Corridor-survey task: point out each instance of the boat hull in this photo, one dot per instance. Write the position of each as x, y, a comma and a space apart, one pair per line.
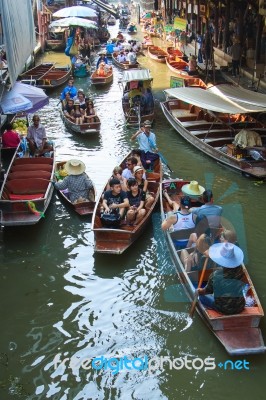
157, 54
81, 208
101, 80
125, 65
27, 191
256, 171
238, 333
117, 241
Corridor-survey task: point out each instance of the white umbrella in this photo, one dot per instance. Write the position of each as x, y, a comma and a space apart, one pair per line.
75, 11
74, 21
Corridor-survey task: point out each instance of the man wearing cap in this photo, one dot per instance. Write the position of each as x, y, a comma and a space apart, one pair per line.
147, 144
180, 219
209, 210
224, 290
77, 183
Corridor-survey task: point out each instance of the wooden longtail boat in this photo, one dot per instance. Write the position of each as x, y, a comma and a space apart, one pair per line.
123, 65
46, 76
178, 66
102, 80
134, 113
157, 54
172, 51
56, 44
210, 122
86, 128
116, 241
26, 191
239, 333
82, 208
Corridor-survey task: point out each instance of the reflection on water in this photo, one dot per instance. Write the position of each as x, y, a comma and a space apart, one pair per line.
62, 303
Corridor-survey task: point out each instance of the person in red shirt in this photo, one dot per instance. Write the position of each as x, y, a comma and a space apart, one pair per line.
10, 138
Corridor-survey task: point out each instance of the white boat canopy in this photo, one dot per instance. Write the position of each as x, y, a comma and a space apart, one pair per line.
239, 94
136, 75
213, 102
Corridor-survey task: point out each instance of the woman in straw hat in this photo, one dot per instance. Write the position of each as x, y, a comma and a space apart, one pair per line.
224, 290
78, 184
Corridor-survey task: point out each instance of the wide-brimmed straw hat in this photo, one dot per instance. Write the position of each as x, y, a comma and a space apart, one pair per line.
74, 167
226, 255
193, 189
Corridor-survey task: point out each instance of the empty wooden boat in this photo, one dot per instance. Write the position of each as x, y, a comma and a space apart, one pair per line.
157, 54
81, 208
27, 190
174, 52
46, 76
117, 240
238, 333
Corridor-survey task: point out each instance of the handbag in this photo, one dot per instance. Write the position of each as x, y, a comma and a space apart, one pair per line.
110, 220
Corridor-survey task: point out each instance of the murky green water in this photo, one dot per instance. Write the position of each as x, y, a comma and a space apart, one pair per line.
60, 301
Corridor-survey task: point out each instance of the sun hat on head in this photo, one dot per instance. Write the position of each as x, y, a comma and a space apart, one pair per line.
226, 255
147, 123
74, 167
81, 90
193, 189
76, 103
137, 168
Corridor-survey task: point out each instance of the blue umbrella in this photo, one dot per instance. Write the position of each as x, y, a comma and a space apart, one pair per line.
23, 98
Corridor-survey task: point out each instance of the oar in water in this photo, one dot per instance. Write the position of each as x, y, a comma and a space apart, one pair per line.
164, 161
192, 309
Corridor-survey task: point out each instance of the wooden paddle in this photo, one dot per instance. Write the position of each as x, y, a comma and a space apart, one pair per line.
192, 309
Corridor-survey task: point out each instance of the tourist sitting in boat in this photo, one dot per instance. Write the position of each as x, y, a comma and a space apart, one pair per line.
68, 108
37, 139
136, 197
139, 174
69, 88
101, 71
228, 236
147, 143
194, 261
101, 59
131, 57
81, 98
77, 113
90, 112
115, 200
224, 289
65, 101
10, 138
128, 172
208, 209
192, 66
137, 154
78, 185
117, 174
121, 57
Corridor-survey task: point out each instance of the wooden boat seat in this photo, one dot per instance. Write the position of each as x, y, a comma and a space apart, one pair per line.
181, 113
29, 174
35, 160
26, 189
213, 314
224, 139
211, 132
191, 124
32, 167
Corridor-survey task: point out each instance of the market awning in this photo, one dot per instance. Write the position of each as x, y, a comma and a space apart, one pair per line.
105, 7
213, 102
239, 94
18, 34
136, 75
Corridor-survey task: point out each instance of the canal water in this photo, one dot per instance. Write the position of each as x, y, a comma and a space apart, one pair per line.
62, 306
